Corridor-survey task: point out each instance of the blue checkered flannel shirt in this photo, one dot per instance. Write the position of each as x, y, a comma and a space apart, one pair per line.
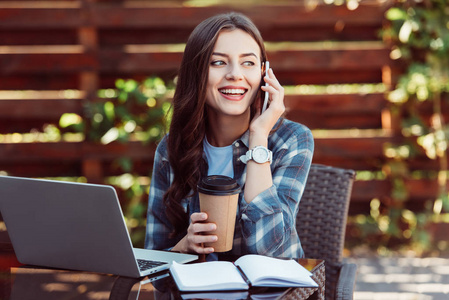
266, 225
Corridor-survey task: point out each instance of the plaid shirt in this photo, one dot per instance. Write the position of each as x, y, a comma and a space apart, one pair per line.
267, 224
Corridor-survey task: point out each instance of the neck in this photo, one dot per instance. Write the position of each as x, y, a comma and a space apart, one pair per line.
224, 130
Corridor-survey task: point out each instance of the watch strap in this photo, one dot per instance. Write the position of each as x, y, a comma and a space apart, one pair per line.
246, 157
249, 155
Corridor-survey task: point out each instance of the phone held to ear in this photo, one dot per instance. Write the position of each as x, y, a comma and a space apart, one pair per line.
265, 102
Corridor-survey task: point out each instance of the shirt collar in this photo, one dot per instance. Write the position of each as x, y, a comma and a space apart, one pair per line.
245, 138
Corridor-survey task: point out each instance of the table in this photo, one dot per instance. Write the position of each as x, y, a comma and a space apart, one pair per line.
25, 282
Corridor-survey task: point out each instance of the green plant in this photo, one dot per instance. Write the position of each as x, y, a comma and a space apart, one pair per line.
133, 111
136, 111
418, 34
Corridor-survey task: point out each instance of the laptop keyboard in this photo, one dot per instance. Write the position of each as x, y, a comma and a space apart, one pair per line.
148, 264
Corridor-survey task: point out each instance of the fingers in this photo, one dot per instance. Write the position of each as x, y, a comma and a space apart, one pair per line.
271, 79
276, 92
263, 124
198, 217
198, 234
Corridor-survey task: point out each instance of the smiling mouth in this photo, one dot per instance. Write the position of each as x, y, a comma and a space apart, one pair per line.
232, 92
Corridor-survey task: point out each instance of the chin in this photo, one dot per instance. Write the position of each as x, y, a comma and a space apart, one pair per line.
238, 113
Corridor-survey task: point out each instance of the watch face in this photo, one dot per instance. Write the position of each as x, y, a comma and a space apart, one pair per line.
260, 155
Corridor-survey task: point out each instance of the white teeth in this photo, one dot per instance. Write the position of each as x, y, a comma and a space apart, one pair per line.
232, 91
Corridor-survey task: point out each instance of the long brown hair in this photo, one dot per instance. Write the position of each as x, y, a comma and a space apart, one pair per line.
189, 119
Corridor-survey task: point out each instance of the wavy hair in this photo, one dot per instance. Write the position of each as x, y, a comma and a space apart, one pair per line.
189, 119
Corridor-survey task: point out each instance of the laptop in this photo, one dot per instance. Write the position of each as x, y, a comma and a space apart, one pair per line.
75, 226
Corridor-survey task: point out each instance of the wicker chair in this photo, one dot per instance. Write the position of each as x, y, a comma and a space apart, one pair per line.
321, 224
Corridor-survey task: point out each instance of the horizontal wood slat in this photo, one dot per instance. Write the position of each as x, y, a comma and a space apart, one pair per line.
419, 191
41, 81
53, 36
310, 104
122, 36
61, 81
109, 15
136, 36
72, 151
350, 148
23, 109
330, 59
346, 103
315, 111
26, 115
329, 77
36, 63
341, 148
331, 121
24, 17
108, 60
336, 111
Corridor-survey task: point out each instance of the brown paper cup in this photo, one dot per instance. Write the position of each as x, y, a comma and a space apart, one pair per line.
219, 199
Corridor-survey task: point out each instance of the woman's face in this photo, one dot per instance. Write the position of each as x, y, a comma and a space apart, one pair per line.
234, 73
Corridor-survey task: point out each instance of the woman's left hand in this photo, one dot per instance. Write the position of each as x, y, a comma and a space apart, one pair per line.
263, 123
258, 176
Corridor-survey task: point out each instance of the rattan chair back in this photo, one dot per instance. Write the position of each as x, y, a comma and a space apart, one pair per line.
322, 216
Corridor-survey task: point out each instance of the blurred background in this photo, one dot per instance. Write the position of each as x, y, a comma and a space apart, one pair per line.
85, 90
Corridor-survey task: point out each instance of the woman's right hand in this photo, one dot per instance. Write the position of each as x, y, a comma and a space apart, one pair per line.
195, 238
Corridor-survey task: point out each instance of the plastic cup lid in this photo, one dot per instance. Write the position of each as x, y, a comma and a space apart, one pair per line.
219, 185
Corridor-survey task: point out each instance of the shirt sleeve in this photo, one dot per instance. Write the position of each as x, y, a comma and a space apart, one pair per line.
268, 222
158, 227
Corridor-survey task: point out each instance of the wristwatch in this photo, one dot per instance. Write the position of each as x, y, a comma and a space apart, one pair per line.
259, 154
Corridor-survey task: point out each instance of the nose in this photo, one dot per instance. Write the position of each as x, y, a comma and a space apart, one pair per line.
234, 73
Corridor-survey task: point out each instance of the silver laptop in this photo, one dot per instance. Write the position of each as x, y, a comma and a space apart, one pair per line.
74, 226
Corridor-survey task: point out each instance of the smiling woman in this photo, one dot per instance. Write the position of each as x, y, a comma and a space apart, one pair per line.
217, 128
232, 86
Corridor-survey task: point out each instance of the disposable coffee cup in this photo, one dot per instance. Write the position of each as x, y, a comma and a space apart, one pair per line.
219, 199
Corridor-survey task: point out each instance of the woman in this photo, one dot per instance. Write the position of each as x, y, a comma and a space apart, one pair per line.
216, 119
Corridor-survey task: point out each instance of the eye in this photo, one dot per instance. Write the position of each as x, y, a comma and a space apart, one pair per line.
217, 63
248, 63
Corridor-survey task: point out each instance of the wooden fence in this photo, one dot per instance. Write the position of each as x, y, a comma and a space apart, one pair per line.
51, 46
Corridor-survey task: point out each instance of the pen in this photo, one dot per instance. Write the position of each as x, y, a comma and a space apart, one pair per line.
248, 282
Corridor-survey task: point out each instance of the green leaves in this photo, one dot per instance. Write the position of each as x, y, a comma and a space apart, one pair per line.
133, 111
72, 122
418, 34
396, 14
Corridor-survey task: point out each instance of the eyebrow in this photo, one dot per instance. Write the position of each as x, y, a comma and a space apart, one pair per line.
241, 55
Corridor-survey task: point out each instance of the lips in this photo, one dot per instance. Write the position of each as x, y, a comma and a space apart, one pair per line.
232, 92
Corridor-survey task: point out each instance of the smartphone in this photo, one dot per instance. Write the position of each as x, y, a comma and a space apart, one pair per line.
265, 101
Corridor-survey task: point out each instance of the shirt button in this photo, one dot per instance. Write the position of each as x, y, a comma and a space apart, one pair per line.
237, 144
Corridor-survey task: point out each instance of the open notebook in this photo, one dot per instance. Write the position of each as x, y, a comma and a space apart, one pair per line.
247, 271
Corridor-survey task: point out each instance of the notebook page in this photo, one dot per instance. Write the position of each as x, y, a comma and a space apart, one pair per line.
268, 271
216, 275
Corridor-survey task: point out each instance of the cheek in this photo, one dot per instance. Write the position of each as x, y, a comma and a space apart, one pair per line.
254, 78
254, 93
255, 82
211, 87
214, 77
